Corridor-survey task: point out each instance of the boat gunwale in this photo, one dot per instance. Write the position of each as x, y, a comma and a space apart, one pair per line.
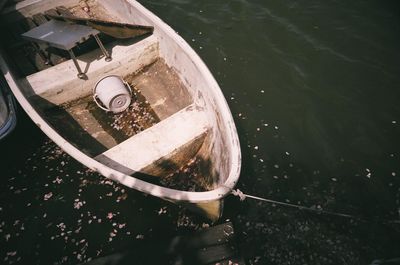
220, 192
11, 120
212, 85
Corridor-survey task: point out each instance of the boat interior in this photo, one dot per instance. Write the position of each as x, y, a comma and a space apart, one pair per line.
163, 136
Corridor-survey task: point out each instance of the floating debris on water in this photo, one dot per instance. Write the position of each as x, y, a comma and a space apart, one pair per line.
140, 237
48, 196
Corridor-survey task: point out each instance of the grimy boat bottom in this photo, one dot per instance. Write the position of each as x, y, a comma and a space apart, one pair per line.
83, 123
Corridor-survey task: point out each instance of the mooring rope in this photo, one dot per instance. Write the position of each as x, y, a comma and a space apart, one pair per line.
242, 196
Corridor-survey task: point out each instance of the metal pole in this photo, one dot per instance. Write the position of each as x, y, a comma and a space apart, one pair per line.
81, 75
105, 52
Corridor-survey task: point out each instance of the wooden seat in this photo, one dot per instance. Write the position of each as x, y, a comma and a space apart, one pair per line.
59, 84
65, 36
180, 132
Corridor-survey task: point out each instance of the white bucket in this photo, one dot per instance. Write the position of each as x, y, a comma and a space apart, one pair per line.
113, 92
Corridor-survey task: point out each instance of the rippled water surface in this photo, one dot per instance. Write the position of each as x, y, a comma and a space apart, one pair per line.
314, 87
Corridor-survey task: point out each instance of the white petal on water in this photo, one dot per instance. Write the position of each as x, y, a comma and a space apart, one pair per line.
110, 215
48, 195
78, 205
62, 226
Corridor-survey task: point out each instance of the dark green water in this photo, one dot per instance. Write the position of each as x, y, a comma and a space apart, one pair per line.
314, 87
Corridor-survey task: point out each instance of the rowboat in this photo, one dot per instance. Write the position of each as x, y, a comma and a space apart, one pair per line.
8, 118
175, 138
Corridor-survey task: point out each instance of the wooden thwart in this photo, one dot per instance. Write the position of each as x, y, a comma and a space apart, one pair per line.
158, 141
59, 84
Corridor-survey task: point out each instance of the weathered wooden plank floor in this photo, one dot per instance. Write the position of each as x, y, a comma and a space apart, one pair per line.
214, 245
